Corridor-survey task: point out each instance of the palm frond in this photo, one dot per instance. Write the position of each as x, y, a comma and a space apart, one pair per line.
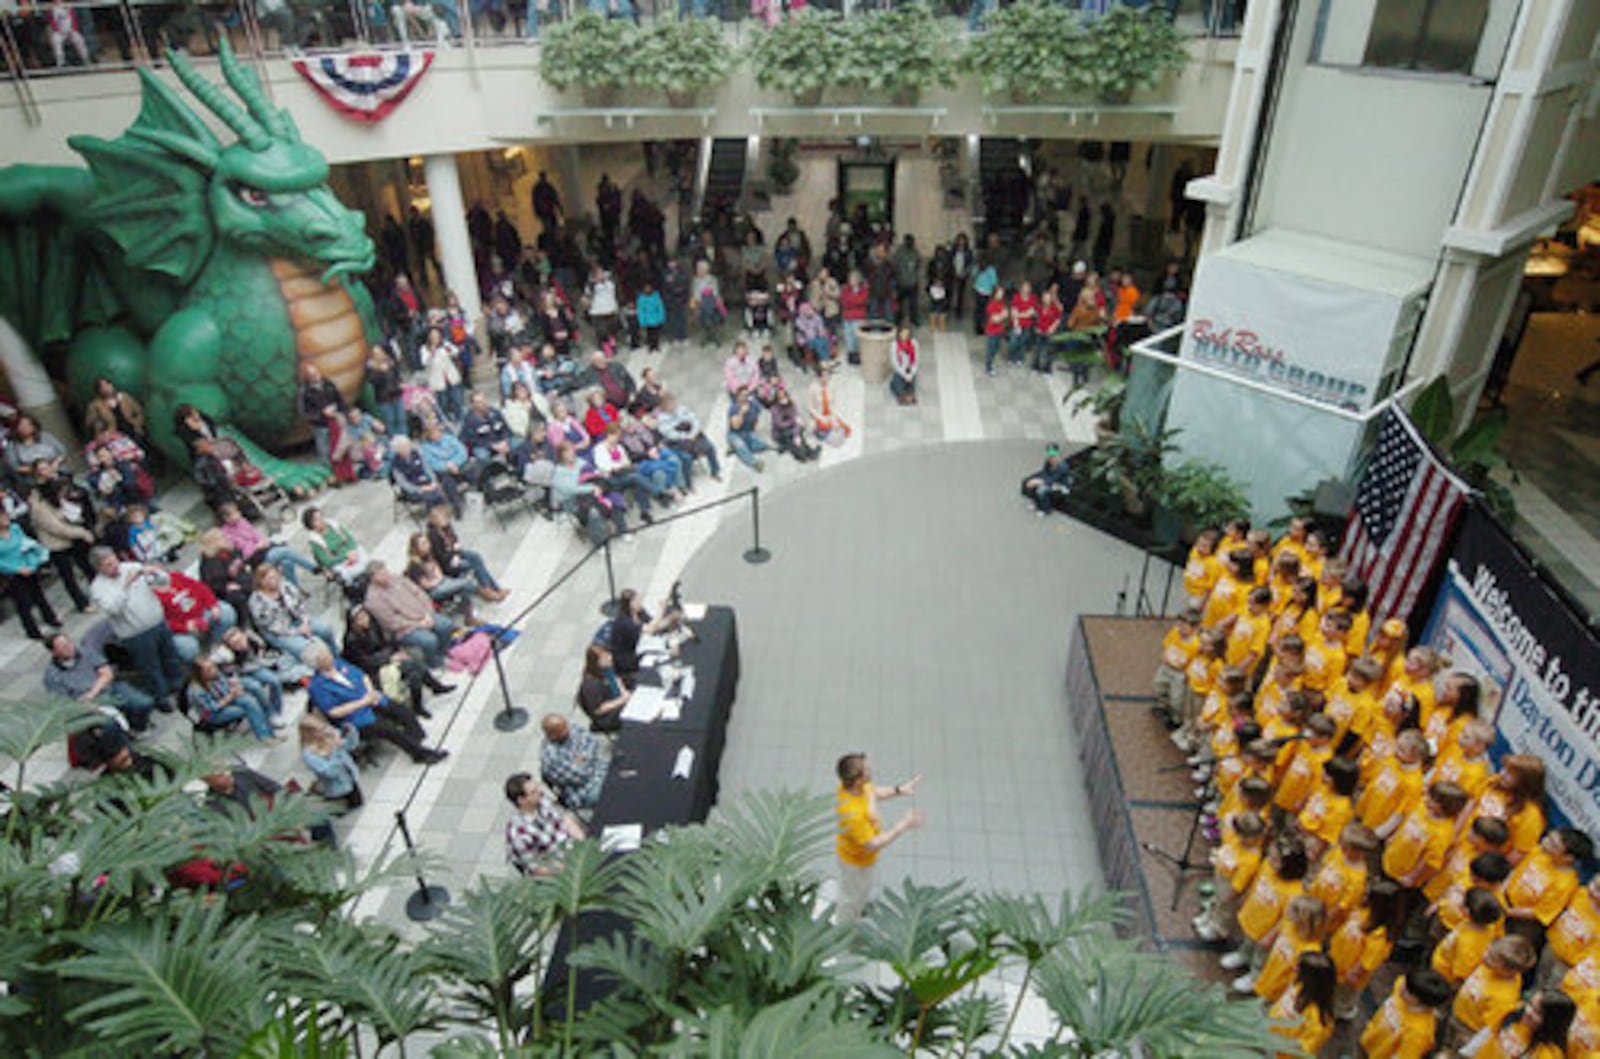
811, 1024
587, 876
185, 984
28, 727
1115, 998
908, 923
791, 946
489, 942
362, 971
778, 834
677, 896
1025, 926
294, 1036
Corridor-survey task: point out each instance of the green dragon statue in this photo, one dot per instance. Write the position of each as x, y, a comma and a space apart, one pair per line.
188, 271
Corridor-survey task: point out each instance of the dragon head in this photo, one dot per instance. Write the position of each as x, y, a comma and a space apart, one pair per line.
171, 189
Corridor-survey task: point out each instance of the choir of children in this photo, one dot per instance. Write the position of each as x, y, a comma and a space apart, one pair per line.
1350, 792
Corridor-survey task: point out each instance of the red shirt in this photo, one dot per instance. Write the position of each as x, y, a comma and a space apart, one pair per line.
1049, 317
853, 302
996, 317
595, 420
185, 602
1025, 311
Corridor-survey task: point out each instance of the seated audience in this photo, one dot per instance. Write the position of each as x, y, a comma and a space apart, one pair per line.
416, 481
423, 569
255, 547
457, 561
391, 665
217, 700
83, 675
680, 428
1050, 483
489, 436
334, 548
571, 763
326, 751
343, 695
406, 613
279, 611
63, 518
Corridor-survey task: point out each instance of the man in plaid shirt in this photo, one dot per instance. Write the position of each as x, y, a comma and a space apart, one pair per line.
571, 763
540, 829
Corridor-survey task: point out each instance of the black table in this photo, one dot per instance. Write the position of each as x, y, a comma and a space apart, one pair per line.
640, 788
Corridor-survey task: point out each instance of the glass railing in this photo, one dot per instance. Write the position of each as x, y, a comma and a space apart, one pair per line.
46, 40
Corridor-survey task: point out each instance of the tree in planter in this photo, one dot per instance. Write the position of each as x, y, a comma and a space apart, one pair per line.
1128, 465
1129, 49
1029, 50
1197, 493
900, 51
589, 53
682, 57
801, 56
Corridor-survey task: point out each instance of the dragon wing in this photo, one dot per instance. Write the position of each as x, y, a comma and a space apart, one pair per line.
151, 185
52, 282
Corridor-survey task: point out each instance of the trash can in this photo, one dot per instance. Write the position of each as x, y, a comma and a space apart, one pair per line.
875, 339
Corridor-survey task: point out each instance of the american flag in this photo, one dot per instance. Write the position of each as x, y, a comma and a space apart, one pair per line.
1406, 506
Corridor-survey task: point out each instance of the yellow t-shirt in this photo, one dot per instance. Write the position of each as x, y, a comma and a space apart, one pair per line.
1325, 814
1421, 841
1486, 997
1576, 931
1227, 597
1452, 766
1351, 711
1339, 884
1237, 864
1201, 674
1461, 951
1582, 982
1247, 639
858, 825
1398, 1030
1512, 1043
1583, 1039
1310, 1029
1178, 650
1453, 902
1325, 664
1357, 952
1277, 973
1265, 904
1394, 788
1360, 625
1297, 779
1200, 573
1540, 884
1526, 823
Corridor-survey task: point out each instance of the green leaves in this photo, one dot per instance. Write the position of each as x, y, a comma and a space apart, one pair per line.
587, 51
682, 55
1037, 49
187, 984
803, 54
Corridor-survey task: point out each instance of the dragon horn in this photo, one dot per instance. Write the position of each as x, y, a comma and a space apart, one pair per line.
247, 86
248, 129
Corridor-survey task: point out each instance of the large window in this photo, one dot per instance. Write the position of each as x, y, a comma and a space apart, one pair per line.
1429, 36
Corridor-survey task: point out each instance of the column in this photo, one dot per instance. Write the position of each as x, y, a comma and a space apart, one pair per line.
450, 231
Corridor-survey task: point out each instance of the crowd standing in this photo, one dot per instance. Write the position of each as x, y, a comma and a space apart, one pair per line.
1364, 839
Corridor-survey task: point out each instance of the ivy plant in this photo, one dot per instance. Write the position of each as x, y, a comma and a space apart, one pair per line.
588, 51
1130, 49
903, 50
1031, 50
803, 55
682, 56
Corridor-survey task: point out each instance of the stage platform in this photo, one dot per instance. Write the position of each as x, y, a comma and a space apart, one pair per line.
1140, 793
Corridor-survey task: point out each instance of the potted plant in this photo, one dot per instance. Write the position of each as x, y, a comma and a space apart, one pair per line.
900, 51
682, 57
1029, 51
801, 56
591, 54
1128, 49
1194, 495
1105, 402
1128, 464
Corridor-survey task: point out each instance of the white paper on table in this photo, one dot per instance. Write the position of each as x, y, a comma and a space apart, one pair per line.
694, 611
621, 838
686, 690
645, 704
670, 710
653, 644
684, 765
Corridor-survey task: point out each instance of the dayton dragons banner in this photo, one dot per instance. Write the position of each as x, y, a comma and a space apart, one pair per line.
1540, 665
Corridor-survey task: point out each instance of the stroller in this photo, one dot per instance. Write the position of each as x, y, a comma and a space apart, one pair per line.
758, 313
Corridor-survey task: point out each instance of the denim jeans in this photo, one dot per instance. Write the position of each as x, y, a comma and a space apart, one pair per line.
1021, 346
475, 564
265, 690
430, 643
156, 659
245, 708
392, 414
980, 9
286, 559
451, 589
991, 349
745, 445
131, 702
294, 644
662, 474
851, 343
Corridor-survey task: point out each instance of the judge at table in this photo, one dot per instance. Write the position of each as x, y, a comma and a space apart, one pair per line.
602, 695
571, 763
541, 830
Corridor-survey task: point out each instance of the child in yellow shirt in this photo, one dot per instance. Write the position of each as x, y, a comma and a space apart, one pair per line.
1299, 772
1486, 871
1419, 846
1462, 950
1351, 703
1491, 992
1576, 931
1300, 932
1202, 675
1465, 762
1304, 1013
1543, 882
1388, 648
1326, 657
1407, 1024
1201, 569
1278, 882
1329, 809
1227, 597
1259, 541
1283, 677
1363, 943
1340, 880
1353, 598
1516, 795
1396, 785
1293, 541
1315, 557
1583, 1039
1247, 640
1484, 834
1178, 648
1283, 572
1235, 863
1297, 617
1416, 680
1215, 712
1539, 1029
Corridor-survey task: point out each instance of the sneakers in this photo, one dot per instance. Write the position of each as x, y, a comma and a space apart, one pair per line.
1200, 775
1245, 983
1235, 961
1207, 932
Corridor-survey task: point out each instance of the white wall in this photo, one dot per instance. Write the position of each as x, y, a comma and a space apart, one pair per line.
1372, 159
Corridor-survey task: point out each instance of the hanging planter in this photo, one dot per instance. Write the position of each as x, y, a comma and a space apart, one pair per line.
682, 59
1029, 51
591, 55
898, 53
801, 56
1129, 49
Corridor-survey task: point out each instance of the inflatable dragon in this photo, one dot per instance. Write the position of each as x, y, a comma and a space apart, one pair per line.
189, 271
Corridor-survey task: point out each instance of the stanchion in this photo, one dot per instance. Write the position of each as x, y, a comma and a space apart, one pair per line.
609, 607
429, 902
510, 718
756, 554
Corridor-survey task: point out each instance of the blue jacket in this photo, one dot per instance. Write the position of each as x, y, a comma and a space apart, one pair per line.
440, 454
337, 774
327, 693
18, 551
651, 309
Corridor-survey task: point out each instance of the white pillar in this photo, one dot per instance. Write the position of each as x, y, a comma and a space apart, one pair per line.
450, 231
35, 393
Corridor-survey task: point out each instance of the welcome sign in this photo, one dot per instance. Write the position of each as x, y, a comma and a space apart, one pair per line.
1538, 663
